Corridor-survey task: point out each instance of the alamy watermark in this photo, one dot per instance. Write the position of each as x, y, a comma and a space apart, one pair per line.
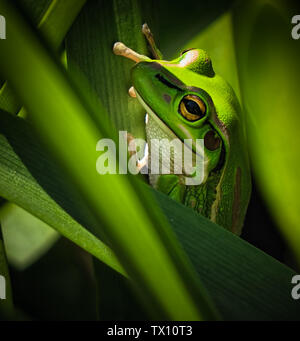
296, 289
2, 27
2, 288
296, 29
185, 158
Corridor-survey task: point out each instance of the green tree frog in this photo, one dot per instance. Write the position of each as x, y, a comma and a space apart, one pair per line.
185, 98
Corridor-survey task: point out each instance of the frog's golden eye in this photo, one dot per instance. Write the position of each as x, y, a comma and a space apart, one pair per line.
192, 108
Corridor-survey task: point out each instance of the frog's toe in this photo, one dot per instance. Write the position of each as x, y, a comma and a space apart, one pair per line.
131, 92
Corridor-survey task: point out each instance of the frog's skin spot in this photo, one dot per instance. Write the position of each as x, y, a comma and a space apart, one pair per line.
236, 201
167, 98
211, 141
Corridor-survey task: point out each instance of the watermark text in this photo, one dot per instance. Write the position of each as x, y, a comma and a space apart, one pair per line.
2, 288
296, 28
155, 157
296, 289
2, 27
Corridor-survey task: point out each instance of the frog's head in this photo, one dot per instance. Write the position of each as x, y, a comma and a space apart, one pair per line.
187, 97
175, 92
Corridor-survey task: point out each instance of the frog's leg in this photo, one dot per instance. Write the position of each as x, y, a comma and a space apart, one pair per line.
149, 36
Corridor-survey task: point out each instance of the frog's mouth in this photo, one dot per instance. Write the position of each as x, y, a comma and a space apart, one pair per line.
160, 130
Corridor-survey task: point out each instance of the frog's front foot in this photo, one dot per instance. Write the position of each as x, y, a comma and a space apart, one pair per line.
141, 164
131, 92
121, 49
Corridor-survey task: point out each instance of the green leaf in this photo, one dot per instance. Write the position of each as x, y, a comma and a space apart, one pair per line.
175, 26
58, 19
26, 237
60, 286
268, 61
53, 25
117, 301
18, 185
244, 281
36, 10
6, 304
179, 294
8, 100
265, 285
246, 284
221, 51
89, 50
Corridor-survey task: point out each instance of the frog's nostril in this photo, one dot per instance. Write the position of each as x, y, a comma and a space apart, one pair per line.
211, 141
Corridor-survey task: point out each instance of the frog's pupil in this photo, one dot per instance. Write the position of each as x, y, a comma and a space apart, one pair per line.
192, 107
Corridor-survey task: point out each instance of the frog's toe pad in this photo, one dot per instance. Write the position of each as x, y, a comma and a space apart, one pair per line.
131, 92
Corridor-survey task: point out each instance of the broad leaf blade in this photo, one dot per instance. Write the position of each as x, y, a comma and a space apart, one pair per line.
244, 281
19, 186
26, 237
53, 25
179, 295
177, 25
89, 50
6, 300
268, 61
58, 19
221, 51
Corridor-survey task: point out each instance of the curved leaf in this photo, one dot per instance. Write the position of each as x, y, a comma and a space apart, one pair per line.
268, 60
53, 25
246, 283
179, 294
